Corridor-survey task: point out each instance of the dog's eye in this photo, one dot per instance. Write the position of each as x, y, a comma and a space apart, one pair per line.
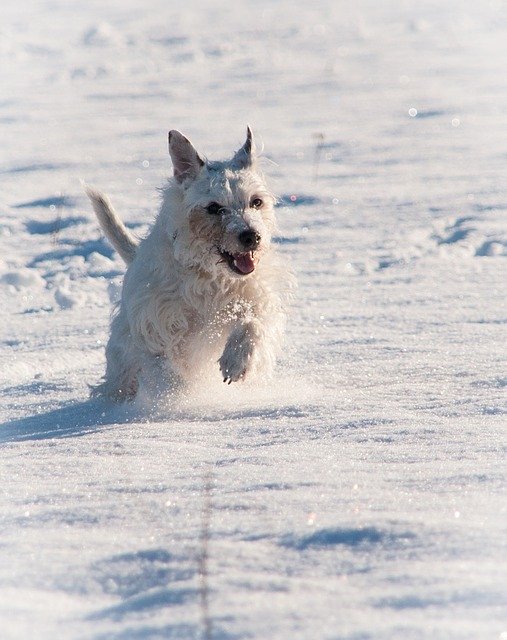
214, 208
256, 203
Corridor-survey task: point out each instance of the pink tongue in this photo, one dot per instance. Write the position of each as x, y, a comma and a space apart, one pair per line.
244, 262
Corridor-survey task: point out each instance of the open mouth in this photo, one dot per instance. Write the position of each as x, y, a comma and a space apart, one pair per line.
242, 263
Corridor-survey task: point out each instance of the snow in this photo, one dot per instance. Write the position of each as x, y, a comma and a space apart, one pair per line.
361, 494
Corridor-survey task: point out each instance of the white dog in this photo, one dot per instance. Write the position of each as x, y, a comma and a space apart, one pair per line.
204, 285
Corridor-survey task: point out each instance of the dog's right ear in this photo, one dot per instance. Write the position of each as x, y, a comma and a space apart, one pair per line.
186, 161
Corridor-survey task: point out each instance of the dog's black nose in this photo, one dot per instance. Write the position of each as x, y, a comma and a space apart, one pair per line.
249, 239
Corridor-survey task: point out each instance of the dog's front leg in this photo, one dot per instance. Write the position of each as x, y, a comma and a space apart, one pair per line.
236, 359
251, 348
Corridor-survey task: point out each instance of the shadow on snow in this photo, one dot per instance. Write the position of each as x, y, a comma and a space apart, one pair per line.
69, 421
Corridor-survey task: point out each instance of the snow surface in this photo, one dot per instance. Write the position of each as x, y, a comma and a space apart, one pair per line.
361, 495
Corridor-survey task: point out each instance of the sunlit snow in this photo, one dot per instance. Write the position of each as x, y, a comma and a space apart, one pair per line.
361, 493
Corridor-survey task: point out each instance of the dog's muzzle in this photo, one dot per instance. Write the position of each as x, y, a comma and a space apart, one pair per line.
240, 263
243, 262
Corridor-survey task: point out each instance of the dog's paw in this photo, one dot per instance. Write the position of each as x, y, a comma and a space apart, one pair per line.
233, 368
236, 358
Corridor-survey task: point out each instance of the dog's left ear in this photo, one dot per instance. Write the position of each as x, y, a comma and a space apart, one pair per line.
245, 157
186, 161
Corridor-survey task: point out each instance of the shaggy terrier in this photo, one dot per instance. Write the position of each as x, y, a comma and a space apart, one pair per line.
204, 286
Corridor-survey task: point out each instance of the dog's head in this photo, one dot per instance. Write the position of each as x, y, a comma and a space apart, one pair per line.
221, 216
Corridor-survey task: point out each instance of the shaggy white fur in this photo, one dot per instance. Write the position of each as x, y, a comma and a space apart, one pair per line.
204, 285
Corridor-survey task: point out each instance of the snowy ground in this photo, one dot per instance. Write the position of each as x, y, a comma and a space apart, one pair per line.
360, 496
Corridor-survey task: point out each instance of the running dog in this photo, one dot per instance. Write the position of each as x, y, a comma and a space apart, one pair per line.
205, 286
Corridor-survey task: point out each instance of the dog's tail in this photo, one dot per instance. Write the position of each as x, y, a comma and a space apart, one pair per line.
117, 233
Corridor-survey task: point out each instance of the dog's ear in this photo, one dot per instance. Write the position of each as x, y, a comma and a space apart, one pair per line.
245, 157
186, 161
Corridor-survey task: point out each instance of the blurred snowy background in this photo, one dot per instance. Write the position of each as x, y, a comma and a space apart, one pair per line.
362, 494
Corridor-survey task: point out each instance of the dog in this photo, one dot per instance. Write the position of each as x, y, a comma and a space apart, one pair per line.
205, 286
